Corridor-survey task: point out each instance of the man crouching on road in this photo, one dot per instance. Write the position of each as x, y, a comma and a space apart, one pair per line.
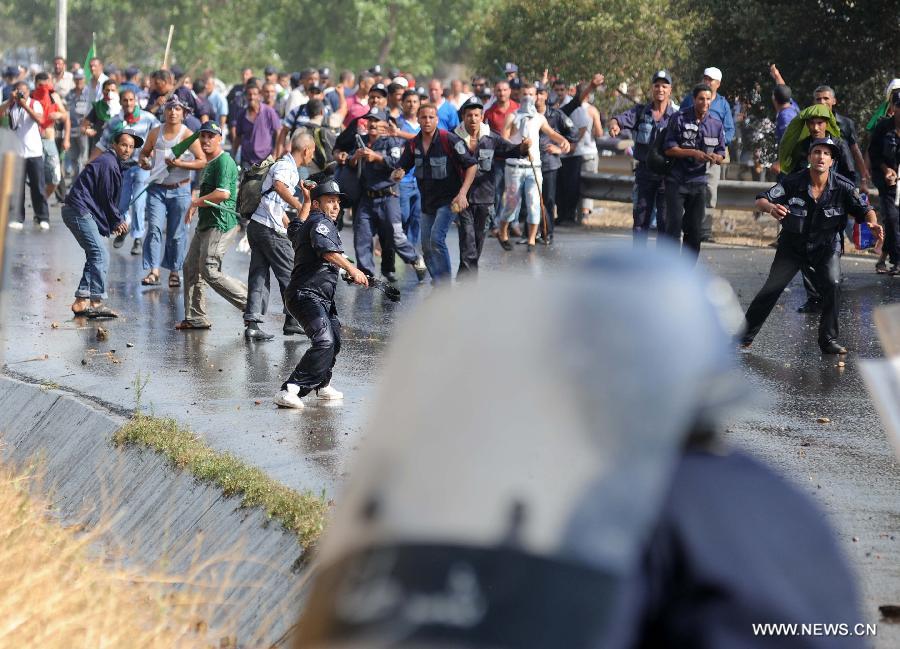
318, 254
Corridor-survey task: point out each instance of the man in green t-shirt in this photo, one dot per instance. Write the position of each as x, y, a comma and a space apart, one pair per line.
216, 229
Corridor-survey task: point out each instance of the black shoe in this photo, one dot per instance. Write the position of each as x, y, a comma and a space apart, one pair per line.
810, 306
505, 244
137, 247
831, 347
391, 277
291, 327
119, 241
530, 247
894, 270
253, 332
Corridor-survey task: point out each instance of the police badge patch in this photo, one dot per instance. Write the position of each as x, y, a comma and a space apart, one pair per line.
322, 229
460, 147
395, 152
777, 191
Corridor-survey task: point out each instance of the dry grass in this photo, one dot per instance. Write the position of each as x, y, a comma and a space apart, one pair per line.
302, 513
54, 594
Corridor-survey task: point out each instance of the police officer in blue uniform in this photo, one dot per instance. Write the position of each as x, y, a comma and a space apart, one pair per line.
379, 203
485, 146
884, 155
694, 137
645, 121
813, 206
318, 254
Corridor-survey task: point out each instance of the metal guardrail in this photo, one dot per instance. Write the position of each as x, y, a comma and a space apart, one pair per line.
733, 194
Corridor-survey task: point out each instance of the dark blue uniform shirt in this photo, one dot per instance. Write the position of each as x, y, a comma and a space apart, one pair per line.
376, 176
312, 239
686, 131
884, 149
96, 191
489, 148
820, 222
438, 170
562, 124
639, 120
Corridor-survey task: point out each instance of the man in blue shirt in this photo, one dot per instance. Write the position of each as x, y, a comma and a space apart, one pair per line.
695, 138
410, 199
448, 119
721, 109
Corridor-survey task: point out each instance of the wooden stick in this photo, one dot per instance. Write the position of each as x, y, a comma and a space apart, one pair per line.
165, 65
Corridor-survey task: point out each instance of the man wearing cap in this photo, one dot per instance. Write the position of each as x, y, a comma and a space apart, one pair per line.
721, 109
91, 212
486, 147
884, 156
379, 205
78, 102
318, 256
132, 80
812, 207
216, 228
696, 139
511, 70
645, 121
135, 178
447, 117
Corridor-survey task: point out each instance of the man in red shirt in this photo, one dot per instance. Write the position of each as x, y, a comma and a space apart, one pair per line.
495, 117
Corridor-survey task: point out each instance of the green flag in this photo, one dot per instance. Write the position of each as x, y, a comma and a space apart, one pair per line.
184, 145
87, 61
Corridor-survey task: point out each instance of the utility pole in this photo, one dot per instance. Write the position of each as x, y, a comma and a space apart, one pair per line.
61, 30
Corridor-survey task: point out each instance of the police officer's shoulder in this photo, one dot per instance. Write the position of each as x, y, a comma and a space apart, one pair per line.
796, 180
843, 182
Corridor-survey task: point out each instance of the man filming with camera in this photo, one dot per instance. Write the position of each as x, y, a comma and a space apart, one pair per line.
25, 115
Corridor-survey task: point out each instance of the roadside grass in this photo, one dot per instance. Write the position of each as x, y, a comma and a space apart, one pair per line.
55, 593
301, 513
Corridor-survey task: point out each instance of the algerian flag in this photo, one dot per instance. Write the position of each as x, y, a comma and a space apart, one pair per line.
184, 145
87, 61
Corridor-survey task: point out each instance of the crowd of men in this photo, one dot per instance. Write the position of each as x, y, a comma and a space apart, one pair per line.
406, 162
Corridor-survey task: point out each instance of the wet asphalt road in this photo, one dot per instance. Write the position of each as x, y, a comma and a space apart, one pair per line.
212, 380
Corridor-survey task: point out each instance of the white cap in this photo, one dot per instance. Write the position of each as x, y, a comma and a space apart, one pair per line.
891, 87
713, 73
401, 81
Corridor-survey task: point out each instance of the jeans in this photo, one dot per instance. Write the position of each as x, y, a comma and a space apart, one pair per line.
434, 243
411, 211
96, 267
890, 219
166, 209
548, 189
133, 182
685, 206
713, 175
269, 250
521, 179
792, 253
202, 267
320, 323
34, 173
77, 155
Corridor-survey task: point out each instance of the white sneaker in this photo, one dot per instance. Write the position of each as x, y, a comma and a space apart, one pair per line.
328, 393
44, 225
289, 398
15, 225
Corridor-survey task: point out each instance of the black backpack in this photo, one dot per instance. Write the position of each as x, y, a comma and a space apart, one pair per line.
657, 161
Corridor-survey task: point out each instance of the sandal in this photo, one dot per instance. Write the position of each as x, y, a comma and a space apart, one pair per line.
101, 312
152, 279
881, 268
184, 324
174, 280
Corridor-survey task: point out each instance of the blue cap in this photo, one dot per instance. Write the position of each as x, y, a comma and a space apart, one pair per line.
378, 115
328, 188
379, 87
826, 141
664, 75
210, 126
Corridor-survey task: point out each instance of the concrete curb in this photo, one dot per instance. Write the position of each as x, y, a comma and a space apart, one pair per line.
153, 514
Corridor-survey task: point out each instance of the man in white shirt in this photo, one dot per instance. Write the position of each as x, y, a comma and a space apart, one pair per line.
270, 249
25, 115
97, 78
523, 175
62, 78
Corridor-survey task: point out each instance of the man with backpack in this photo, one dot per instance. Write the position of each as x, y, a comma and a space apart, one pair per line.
646, 122
309, 118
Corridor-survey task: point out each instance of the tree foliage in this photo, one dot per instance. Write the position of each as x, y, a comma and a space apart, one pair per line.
850, 45
627, 40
